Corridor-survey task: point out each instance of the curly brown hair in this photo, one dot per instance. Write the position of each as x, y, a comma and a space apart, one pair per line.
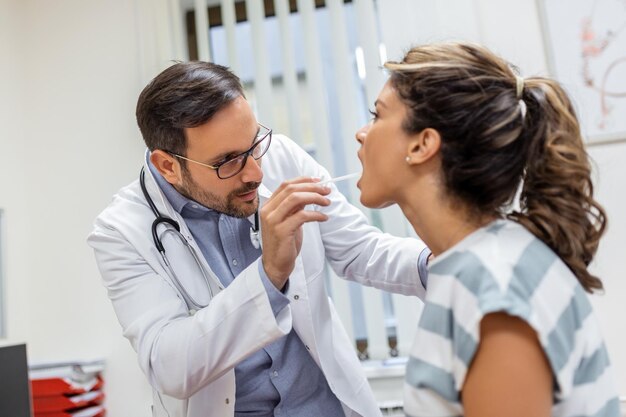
495, 138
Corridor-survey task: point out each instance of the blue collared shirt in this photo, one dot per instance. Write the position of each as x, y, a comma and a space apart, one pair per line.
282, 379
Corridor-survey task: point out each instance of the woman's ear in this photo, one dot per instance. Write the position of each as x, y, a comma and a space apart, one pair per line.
423, 146
167, 165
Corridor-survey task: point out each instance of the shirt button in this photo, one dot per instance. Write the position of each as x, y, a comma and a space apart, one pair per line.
296, 297
275, 373
195, 206
235, 262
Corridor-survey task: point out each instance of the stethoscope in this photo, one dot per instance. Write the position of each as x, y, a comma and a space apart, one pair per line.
161, 219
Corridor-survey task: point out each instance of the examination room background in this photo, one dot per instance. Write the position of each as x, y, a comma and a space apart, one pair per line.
70, 74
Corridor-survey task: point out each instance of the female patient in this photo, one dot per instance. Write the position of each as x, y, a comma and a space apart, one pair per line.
507, 329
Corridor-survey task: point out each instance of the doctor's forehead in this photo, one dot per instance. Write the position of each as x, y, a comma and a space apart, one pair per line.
232, 129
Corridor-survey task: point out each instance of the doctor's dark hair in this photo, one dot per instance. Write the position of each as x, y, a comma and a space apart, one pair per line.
185, 95
499, 133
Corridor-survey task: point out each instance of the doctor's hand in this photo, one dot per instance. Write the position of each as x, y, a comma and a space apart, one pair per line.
282, 217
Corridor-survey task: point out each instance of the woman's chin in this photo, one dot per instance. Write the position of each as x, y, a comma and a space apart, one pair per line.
373, 203
364, 200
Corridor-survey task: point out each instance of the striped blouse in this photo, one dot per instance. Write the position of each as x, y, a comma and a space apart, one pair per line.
504, 268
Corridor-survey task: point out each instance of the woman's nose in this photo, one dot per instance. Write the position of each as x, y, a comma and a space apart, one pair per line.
361, 133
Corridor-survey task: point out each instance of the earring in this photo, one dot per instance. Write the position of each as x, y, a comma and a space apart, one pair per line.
408, 159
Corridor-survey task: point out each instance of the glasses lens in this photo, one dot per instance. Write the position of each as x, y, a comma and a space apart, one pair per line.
231, 167
262, 145
234, 166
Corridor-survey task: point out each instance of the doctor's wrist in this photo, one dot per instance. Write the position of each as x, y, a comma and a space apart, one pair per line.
279, 280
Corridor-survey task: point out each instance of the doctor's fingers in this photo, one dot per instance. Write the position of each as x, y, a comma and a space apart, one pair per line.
287, 205
297, 185
292, 223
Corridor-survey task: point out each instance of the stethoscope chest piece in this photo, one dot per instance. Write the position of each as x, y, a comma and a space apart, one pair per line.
255, 239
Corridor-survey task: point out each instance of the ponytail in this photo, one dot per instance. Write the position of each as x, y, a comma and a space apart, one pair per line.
556, 200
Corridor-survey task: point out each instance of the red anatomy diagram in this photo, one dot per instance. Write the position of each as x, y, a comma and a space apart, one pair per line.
603, 79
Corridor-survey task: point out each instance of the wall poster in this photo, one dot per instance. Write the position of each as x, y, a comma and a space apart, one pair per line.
586, 48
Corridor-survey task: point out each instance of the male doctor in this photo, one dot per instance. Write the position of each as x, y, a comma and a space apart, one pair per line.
224, 322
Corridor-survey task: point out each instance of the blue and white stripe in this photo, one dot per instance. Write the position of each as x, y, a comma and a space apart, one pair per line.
503, 267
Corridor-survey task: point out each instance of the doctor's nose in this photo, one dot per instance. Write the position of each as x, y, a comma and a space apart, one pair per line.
252, 171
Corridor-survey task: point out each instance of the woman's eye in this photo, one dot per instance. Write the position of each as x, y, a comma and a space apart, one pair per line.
373, 114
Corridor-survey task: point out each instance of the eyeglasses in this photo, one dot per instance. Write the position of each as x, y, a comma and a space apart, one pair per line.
234, 165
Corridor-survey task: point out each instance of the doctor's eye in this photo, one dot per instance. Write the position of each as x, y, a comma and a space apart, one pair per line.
373, 114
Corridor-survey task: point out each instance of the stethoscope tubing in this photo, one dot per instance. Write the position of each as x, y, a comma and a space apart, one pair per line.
161, 219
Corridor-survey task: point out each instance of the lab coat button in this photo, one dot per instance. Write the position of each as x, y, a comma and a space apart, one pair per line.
192, 312
296, 297
307, 347
227, 401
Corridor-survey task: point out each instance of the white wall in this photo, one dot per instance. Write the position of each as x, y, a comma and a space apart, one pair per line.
610, 264
70, 78
13, 173
70, 75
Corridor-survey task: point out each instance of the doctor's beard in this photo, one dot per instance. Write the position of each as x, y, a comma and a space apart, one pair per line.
230, 205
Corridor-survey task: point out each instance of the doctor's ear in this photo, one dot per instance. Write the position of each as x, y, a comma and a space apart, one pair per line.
167, 165
423, 146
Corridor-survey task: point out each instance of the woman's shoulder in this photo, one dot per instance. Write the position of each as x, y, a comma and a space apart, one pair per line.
500, 251
504, 267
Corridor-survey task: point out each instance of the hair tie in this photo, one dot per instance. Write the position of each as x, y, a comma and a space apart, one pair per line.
519, 81
522, 108
520, 86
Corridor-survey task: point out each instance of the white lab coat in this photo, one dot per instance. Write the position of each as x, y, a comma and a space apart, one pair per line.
189, 358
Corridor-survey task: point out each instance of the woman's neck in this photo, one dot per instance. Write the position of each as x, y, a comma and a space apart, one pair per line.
441, 224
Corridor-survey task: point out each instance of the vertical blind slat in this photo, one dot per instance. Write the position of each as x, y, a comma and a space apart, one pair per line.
347, 93
315, 83
179, 51
369, 41
262, 78
229, 21
375, 321
408, 311
165, 32
202, 30
290, 79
